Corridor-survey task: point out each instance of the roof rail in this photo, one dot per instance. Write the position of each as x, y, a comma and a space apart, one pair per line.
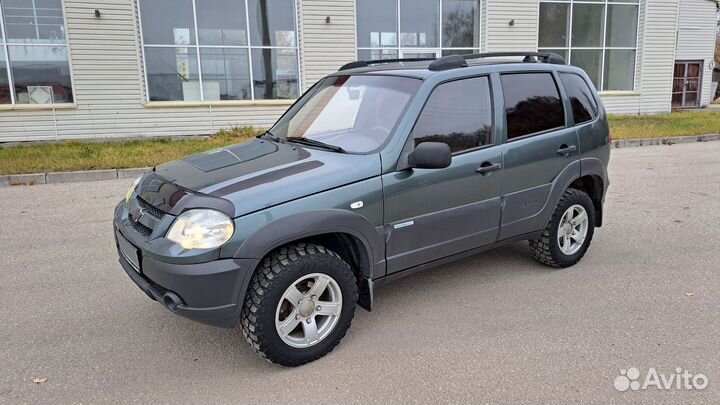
364, 63
456, 61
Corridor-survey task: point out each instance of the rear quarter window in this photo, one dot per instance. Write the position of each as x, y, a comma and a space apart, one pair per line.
532, 103
584, 107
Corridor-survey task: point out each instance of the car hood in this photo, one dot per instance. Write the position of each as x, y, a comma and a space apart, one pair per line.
261, 173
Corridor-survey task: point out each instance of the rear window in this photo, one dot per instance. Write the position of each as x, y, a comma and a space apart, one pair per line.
583, 103
532, 103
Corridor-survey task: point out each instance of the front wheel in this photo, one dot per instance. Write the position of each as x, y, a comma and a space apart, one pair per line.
299, 305
567, 235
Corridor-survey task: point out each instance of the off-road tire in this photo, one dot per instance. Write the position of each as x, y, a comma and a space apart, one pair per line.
274, 275
546, 250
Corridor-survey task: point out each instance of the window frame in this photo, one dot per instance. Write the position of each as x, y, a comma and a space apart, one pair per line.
493, 132
198, 47
438, 50
604, 48
5, 44
561, 94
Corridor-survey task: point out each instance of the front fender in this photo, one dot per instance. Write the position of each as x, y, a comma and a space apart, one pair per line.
312, 223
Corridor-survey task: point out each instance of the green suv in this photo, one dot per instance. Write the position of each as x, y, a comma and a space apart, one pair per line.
379, 170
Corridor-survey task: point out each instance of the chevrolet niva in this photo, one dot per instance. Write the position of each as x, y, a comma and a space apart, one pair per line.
379, 170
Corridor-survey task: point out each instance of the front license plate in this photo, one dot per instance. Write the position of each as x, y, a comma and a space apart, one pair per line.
129, 252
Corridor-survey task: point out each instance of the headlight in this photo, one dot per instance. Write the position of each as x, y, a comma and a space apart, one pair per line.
201, 229
132, 189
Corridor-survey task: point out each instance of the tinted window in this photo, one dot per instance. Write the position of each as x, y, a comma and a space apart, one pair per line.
581, 98
457, 113
532, 103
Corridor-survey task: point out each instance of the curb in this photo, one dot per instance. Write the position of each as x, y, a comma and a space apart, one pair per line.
665, 141
70, 177
112, 174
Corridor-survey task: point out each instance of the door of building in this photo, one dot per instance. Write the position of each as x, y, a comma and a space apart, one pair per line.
687, 81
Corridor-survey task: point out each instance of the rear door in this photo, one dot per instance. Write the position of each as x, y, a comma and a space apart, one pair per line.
540, 148
434, 213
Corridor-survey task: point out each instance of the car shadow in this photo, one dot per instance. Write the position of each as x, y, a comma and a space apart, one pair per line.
228, 349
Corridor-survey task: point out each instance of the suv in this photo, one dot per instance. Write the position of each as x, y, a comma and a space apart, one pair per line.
379, 170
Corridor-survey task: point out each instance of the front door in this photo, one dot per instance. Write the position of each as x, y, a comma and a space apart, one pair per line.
686, 84
434, 213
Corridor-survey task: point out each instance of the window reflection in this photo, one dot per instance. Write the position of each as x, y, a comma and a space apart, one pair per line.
5, 97
272, 23
172, 74
221, 22
226, 74
581, 98
275, 73
461, 23
457, 113
38, 72
228, 38
41, 74
431, 27
36, 22
602, 39
419, 23
532, 103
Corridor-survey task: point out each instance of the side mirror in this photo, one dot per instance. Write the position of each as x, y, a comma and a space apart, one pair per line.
430, 155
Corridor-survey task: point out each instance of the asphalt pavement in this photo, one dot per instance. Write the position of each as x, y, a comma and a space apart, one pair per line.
494, 328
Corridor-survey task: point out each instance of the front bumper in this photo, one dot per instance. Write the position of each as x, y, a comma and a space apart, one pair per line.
210, 292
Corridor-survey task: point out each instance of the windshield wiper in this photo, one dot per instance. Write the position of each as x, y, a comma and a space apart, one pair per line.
319, 144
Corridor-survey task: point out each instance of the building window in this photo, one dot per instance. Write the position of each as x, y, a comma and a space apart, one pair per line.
599, 36
417, 28
207, 50
34, 67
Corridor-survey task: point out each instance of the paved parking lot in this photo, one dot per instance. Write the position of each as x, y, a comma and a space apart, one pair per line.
495, 328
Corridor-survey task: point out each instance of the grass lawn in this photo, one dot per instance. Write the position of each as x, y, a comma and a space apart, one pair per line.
684, 123
77, 155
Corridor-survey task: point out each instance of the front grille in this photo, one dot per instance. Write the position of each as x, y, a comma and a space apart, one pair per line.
141, 229
150, 209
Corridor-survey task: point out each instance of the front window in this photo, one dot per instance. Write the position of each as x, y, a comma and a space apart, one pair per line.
356, 113
207, 50
417, 28
600, 36
34, 67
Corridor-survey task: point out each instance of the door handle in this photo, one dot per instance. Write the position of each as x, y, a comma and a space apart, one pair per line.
488, 167
565, 150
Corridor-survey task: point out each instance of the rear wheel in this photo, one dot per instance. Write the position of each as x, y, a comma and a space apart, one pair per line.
299, 305
569, 232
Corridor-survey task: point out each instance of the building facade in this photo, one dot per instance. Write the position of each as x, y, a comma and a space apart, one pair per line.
73, 69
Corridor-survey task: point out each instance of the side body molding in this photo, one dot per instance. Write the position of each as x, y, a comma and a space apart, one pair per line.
314, 223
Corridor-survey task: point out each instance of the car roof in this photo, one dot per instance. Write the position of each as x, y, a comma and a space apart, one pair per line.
422, 69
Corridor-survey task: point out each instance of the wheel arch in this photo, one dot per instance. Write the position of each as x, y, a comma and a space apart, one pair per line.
593, 186
348, 234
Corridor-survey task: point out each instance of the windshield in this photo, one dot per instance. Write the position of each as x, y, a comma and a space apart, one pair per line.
356, 113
